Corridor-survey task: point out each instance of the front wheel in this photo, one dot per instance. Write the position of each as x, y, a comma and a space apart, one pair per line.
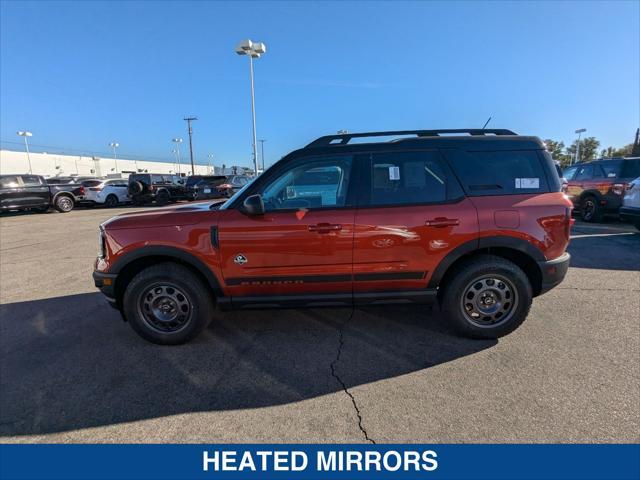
167, 304
486, 297
63, 204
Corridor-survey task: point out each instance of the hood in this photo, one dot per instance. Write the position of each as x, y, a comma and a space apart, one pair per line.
162, 217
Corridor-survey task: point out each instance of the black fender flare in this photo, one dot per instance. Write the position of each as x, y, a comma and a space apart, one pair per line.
171, 252
481, 243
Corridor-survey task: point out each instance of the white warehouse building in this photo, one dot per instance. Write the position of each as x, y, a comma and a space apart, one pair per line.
53, 164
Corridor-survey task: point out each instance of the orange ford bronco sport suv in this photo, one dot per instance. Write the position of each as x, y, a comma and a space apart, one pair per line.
472, 219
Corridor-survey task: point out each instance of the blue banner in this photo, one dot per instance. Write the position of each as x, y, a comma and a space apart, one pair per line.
297, 462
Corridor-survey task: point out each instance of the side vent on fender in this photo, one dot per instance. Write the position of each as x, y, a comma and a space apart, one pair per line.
214, 237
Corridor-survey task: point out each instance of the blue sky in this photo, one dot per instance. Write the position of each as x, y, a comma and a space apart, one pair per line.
79, 75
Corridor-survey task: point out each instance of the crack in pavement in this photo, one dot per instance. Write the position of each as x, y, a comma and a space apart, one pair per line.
335, 375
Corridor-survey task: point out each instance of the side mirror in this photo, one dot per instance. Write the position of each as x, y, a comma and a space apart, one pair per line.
253, 205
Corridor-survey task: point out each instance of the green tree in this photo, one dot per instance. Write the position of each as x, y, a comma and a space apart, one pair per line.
588, 148
635, 148
621, 152
558, 151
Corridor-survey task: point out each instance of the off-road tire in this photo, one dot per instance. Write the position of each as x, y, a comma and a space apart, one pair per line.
135, 188
452, 301
163, 197
197, 294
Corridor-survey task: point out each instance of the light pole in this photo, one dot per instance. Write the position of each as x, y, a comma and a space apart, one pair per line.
178, 141
209, 157
580, 131
252, 50
25, 135
262, 140
189, 120
115, 145
175, 157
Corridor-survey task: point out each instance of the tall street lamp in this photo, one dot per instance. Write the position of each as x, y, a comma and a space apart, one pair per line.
209, 157
178, 141
252, 50
580, 131
25, 135
262, 140
115, 145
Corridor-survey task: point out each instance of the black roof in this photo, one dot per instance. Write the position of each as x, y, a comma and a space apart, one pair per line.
468, 138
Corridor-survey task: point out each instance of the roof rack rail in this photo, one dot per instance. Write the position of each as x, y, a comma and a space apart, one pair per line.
343, 139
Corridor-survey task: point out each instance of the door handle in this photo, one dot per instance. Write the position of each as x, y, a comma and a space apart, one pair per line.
325, 227
442, 222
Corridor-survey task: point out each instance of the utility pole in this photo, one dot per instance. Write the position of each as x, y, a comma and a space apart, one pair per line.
262, 140
189, 120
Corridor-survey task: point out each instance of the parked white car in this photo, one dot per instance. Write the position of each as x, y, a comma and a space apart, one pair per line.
106, 192
630, 210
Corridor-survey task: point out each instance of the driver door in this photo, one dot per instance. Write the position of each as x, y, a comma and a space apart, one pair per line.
302, 246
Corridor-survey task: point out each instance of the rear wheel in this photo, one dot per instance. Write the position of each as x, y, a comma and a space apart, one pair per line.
111, 201
168, 304
63, 203
486, 297
591, 209
162, 197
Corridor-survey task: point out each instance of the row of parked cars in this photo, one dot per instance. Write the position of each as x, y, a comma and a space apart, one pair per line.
34, 192
604, 187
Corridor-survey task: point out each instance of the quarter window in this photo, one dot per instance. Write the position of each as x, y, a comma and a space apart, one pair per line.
310, 183
499, 172
406, 178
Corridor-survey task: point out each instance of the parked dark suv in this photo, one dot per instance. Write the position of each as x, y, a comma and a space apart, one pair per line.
473, 219
159, 187
202, 187
597, 188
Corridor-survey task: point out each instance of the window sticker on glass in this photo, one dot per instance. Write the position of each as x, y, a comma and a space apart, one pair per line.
394, 173
527, 183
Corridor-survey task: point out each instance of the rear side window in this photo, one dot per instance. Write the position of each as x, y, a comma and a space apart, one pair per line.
407, 178
585, 173
509, 172
31, 180
91, 183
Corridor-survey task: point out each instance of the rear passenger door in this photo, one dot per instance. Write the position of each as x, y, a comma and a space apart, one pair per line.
411, 214
35, 193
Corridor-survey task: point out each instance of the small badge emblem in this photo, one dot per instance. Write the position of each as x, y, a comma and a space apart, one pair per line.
240, 259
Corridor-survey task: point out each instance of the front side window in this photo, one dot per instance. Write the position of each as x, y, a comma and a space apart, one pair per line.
406, 178
310, 183
9, 182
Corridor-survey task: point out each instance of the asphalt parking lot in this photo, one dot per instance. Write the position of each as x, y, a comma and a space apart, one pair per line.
72, 371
